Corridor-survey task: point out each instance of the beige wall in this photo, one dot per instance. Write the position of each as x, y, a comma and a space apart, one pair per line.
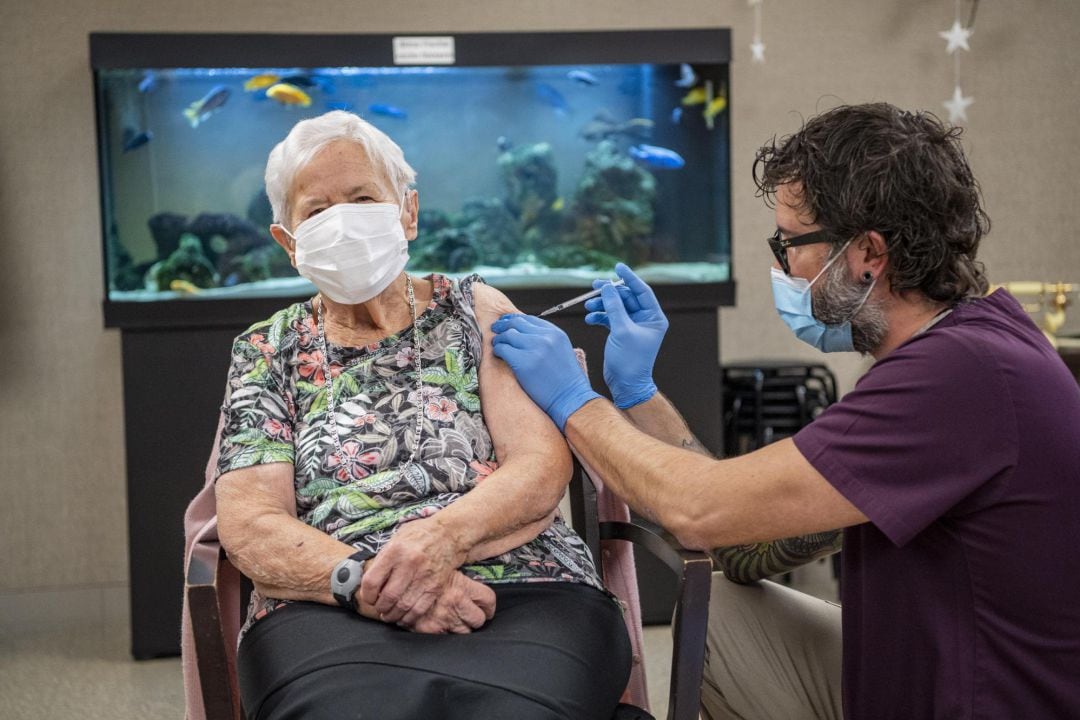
63, 521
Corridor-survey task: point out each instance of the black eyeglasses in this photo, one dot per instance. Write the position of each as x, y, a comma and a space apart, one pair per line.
779, 246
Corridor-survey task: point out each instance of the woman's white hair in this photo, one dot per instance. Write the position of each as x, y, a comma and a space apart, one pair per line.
310, 136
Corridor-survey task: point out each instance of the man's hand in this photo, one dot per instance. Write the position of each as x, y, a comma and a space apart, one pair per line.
464, 606
637, 324
544, 363
411, 572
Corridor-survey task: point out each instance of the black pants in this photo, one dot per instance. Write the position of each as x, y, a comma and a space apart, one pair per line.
553, 650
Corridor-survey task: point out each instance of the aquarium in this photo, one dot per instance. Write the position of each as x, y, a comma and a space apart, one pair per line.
542, 158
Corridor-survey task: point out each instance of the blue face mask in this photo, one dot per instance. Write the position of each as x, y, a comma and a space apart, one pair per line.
793, 302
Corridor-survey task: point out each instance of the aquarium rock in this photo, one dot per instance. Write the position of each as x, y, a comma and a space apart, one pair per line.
188, 263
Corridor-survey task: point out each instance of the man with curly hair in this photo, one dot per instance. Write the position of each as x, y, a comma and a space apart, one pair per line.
950, 474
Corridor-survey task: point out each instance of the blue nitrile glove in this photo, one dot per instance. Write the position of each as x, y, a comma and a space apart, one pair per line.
544, 362
637, 326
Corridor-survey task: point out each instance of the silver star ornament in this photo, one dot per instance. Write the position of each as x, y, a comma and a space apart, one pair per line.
757, 50
957, 106
957, 36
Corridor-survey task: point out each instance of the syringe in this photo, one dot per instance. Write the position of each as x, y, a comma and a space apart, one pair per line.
579, 299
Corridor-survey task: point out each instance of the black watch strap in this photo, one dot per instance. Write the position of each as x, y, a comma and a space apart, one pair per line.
346, 577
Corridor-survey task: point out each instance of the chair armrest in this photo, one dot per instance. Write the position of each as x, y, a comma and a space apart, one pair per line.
213, 594
694, 571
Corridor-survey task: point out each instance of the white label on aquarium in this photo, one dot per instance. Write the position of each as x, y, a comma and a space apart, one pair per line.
430, 50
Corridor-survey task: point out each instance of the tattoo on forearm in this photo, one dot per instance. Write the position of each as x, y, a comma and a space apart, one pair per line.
690, 442
748, 563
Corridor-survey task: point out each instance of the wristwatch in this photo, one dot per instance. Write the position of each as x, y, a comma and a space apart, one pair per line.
346, 578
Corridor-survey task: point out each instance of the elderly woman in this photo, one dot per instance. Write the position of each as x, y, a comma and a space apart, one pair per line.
387, 485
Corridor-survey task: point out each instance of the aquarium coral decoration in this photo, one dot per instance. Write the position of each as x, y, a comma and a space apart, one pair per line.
188, 264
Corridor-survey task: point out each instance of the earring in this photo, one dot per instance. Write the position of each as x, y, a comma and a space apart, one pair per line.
868, 277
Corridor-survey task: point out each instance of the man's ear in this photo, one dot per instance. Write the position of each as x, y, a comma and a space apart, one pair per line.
282, 238
411, 214
871, 255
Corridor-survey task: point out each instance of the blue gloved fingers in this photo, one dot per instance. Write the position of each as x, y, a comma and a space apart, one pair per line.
598, 318
514, 338
613, 306
644, 294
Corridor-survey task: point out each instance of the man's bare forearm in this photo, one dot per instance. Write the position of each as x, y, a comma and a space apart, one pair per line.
658, 418
749, 563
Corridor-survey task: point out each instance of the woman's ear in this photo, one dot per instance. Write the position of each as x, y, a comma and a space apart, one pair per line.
411, 214
285, 241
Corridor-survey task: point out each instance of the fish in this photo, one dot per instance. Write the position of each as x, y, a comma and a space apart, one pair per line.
185, 287
552, 97
149, 82
676, 115
657, 157
200, 110
504, 143
288, 95
583, 76
311, 81
133, 139
558, 204
714, 108
388, 110
687, 77
697, 96
231, 279
347, 107
258, 82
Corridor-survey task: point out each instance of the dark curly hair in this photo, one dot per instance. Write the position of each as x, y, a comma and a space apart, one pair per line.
903, 174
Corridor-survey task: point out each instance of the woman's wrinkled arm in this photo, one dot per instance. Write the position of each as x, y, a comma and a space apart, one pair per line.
257, 524
749, 563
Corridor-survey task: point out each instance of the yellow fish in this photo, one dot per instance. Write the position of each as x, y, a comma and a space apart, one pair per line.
717, 106
289, 95
558, 204
260, 81
696, 96
185, 287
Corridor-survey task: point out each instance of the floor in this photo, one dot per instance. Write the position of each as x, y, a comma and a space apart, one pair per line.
64, 653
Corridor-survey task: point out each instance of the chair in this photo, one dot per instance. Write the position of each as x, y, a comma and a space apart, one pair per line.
212, 598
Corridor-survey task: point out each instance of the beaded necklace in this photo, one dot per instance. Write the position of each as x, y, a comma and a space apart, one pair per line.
331, 403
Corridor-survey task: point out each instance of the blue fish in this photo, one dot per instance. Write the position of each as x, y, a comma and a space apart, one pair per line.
149, 82
134, 140
676, 115
503, 143
347, 107
198, 111
657, 157
232, 279
552, 97
388, 110
687, 78
310, 81
583, 76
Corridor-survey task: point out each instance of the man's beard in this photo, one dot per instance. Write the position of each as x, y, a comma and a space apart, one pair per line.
836, 298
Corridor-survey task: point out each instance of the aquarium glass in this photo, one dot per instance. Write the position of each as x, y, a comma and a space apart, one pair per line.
537, 176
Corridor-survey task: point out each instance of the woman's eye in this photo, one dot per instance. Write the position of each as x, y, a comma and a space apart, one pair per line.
364, 199
314, 212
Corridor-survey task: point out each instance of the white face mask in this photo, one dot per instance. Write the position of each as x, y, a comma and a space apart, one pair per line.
352, 252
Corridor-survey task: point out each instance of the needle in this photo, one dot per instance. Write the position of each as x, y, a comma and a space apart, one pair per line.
579, 299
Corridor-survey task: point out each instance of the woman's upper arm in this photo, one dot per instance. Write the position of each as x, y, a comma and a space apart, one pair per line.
259, 489
515, 423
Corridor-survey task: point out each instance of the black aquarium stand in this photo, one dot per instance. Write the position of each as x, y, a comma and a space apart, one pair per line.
174, 382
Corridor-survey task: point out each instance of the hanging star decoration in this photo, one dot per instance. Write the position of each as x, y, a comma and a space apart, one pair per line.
958, 106
957, 37
757, 50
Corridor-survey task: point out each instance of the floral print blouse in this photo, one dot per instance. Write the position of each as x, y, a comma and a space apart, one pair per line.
276, 411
